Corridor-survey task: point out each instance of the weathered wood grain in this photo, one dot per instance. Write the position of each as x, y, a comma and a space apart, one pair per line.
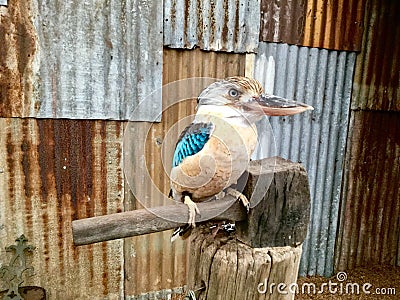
145, 221
281, 217
261, 260
225, 268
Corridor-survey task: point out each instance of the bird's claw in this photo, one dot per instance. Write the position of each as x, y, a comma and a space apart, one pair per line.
220, 195
193, 210
242, 198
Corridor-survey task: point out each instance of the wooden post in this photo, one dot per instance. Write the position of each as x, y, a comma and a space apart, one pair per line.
261, 260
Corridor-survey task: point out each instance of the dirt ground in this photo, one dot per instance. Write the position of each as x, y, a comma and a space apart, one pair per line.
379, 282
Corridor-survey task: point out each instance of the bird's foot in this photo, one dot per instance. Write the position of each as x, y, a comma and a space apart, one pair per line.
220, 195
193, 210
238, 195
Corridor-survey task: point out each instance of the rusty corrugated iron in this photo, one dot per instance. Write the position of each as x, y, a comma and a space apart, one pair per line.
283, 21
223, 25
336, 25
17, 49
81, 60
370, 223
52, 172
370, 215
152, 263
377, 76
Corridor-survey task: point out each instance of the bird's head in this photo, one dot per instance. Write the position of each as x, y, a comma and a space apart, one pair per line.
246, 95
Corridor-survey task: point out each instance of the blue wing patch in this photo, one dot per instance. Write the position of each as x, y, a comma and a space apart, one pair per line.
191, 141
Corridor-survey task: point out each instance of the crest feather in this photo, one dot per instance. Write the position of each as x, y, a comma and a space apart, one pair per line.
246, 83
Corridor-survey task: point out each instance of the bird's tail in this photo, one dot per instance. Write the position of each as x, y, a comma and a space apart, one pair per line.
183, 232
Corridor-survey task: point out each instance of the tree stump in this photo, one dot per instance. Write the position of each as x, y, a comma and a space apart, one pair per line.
261, 259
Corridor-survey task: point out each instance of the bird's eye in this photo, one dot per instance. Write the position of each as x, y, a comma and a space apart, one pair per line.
233, 93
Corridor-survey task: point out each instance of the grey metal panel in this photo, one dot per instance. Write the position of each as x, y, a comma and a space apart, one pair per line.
323, 79
222, 25
98, 59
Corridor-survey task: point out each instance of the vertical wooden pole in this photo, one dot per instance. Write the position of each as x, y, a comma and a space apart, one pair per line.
261, 260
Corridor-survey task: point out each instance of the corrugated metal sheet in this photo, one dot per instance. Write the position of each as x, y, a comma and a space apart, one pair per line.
370, 215
223, 25
370, 223
323, 79
18, 47
52, 172
377, 76
81, 59
283, 21
333, 25
152, 263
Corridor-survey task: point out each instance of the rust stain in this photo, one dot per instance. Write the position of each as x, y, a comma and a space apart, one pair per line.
225, 29
336, 25
41, 199
18, 38
28, 173
283, 22
46, 152
105, 274
10, 166
377, 76
230, 26
46, 240
103, 169
26, 164
369, 229
72, 163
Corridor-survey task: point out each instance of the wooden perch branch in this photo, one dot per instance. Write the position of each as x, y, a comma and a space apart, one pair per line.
279, 219
266, 247
145, 221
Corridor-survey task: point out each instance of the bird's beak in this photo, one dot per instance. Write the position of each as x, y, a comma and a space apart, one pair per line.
276, 106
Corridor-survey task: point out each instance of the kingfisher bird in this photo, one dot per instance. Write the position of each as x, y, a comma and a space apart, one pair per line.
215, 149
